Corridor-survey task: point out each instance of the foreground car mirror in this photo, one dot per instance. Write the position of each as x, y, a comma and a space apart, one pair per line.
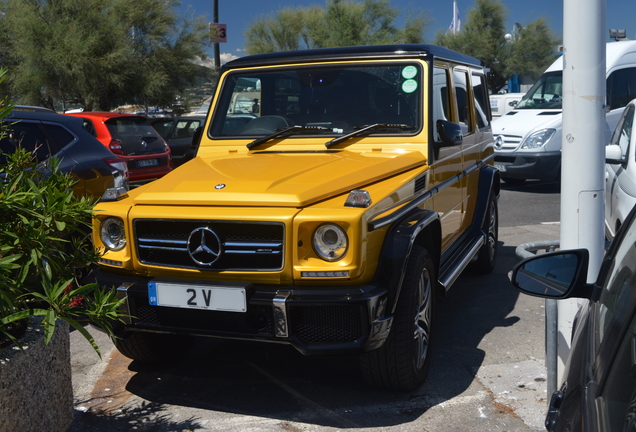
450, 133
554, 275
614, 155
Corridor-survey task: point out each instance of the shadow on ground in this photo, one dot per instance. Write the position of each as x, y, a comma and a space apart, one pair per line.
276, 382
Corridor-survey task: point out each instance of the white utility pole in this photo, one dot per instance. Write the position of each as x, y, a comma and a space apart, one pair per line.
583, 154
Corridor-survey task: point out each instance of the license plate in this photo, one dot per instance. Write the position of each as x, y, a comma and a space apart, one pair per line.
501, 168
218, 298
147, 163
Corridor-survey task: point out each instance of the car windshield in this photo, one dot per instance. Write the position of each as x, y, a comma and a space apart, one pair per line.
328, 99
547, 93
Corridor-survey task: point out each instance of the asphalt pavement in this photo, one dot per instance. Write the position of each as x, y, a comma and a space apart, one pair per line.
487, 374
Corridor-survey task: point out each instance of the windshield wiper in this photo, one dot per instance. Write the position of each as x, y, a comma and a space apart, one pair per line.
287, 131
363, 130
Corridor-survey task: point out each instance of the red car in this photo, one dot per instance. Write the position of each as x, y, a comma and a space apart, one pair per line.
131, 138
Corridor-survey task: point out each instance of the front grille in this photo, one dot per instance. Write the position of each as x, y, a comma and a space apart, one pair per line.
256, 321
246, 246
326, 324
510, 142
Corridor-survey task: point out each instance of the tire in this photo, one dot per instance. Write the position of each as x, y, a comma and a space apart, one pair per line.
403, 361
152, 347
513, 181
487, 256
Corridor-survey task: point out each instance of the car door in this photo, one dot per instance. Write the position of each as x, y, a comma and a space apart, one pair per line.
611, 398
447, 159
620, 184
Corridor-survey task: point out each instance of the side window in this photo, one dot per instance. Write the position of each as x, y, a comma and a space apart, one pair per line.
29, 137
621, 88
462, 99
440, 99
480, 93
60, 135
623, 132
88, 125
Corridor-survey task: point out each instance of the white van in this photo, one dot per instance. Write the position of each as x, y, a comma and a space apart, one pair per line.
501, 104
528, 138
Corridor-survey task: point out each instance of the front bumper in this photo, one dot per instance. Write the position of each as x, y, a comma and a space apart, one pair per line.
526, 165
315, 320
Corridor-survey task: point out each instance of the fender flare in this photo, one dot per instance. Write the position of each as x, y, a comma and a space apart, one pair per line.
489, 183
397, 247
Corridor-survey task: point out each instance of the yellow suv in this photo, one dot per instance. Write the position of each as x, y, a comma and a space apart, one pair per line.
326, 213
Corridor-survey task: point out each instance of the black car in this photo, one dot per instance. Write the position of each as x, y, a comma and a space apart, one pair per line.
178, 132
599, 381
48, 134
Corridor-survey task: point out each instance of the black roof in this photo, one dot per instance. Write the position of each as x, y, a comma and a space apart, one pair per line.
357, 52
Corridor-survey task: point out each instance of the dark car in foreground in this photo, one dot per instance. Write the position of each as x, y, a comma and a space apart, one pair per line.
598, 392
48, 134
132, 139
178, 133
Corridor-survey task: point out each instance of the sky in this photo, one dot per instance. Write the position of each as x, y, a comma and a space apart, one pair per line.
239, 14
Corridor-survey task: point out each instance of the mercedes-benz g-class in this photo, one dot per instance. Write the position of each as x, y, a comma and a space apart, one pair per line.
356, 187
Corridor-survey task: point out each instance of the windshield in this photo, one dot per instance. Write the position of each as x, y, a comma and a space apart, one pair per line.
547, 93
332, 100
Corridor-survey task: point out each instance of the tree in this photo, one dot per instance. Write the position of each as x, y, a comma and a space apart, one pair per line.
99, 53
340, 23
483, 36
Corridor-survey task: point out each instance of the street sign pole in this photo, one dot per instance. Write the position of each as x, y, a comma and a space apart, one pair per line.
583, 146
217, 53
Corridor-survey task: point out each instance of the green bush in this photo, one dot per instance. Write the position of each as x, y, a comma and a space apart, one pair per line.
45, 249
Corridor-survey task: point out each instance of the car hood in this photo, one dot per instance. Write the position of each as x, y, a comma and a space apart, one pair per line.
526, 120
274, 178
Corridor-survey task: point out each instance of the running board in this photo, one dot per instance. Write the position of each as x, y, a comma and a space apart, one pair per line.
460, 259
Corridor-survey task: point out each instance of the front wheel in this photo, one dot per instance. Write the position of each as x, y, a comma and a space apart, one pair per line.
403, 361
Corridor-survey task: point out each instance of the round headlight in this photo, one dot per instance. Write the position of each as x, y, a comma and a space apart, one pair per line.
112, 233
330, 242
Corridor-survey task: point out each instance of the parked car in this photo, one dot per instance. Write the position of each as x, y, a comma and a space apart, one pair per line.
48, 134
598, 393
620, 172
329, 221
178, 132
132, 139
528, 138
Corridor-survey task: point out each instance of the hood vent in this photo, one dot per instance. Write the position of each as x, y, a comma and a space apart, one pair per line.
549, 113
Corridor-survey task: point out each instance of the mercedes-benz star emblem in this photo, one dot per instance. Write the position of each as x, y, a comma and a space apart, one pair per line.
499, 141
204, 246
144, 144
219, 186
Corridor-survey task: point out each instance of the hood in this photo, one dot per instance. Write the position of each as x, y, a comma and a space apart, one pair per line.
268, 178
524, 121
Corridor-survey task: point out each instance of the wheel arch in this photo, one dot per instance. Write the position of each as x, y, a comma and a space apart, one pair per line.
419, 227
489, 183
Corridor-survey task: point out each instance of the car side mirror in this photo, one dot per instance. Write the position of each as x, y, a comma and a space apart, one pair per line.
614, 155
196, 140
449, 132
554, 275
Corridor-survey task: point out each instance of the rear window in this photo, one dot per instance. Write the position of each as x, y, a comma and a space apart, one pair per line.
128, 127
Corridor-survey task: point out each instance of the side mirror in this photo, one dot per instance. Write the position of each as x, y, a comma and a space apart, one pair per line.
194, 145
614, 155
450, 133
554, 275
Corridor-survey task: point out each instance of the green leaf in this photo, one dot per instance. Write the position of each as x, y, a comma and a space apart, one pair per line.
80, 328
48, 325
